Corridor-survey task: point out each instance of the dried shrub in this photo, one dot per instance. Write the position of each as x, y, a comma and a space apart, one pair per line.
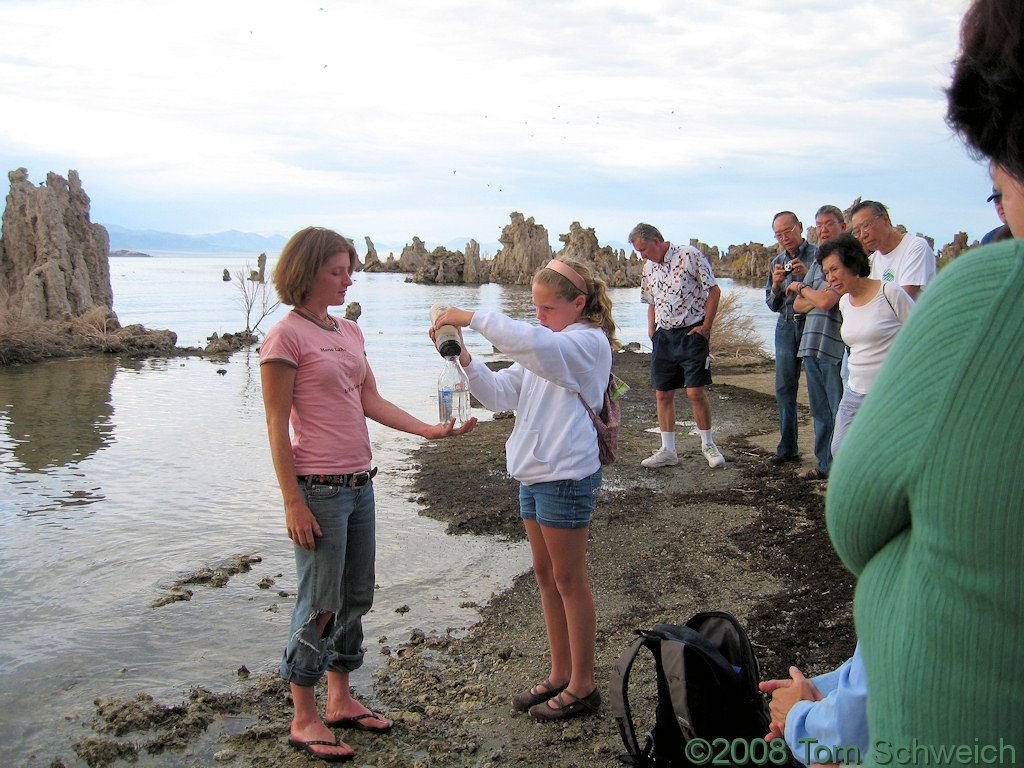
24, 340
735, 333
27, 340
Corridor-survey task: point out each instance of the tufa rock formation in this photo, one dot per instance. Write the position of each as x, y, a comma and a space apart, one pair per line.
474, 271
53, 260
951, 250
444, 267
749, 261
258, 275
710, 251
525, 249
55, 295
614, 267
413, 256
372, 262
412, 259
217, 345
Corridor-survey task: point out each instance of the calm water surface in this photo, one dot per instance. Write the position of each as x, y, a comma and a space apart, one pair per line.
119, 477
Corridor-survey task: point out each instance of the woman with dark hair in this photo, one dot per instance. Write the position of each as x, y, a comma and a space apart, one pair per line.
925, 499
873, 313
986, 98
316, 378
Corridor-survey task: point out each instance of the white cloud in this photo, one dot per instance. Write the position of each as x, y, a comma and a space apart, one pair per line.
417, 114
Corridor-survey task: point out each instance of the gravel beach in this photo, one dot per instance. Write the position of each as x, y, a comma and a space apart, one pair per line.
748, 538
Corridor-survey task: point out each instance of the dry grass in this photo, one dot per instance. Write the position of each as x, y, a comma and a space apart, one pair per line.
24, 340
734, 333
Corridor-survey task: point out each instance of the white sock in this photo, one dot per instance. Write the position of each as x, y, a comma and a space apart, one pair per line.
705, 437
668, 441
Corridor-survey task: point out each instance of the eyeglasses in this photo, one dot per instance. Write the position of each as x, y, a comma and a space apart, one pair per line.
786, 232
858, 231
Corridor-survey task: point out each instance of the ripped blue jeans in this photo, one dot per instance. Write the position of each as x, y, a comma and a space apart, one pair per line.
337, 577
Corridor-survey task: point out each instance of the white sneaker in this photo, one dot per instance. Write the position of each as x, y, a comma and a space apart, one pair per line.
713, 455
661, 458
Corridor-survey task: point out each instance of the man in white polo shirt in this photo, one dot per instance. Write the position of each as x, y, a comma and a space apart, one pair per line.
906, 260
682, 295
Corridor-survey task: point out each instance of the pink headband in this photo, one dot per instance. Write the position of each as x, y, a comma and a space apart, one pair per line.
569, 274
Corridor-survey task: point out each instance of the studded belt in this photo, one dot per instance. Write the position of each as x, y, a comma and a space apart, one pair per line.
353, 480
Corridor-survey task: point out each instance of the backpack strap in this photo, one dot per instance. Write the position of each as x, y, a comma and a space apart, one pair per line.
887, 301
619, 697
590, 410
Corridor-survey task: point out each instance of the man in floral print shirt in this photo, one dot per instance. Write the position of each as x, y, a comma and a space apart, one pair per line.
682, 297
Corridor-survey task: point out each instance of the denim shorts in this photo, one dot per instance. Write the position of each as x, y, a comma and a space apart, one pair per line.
337, 577
560, 503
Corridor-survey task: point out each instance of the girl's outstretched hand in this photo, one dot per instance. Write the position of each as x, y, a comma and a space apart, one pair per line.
448, 429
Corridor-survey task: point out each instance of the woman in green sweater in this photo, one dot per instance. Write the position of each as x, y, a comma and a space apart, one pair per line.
926, 499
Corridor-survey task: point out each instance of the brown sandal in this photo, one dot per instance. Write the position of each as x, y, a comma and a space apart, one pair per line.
812, 474
540, 693
588, 705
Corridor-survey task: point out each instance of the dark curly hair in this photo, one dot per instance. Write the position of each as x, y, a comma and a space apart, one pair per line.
986, 96
850, 252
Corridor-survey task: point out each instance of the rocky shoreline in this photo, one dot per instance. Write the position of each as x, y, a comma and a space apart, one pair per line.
747, 538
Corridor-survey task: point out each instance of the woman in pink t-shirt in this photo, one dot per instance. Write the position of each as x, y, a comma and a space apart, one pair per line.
316, 378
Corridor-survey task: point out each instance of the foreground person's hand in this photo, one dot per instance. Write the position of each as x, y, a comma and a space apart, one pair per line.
786, 693
302, 526
448, 429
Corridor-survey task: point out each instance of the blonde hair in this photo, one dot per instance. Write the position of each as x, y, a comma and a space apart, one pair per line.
597, 311
303, 255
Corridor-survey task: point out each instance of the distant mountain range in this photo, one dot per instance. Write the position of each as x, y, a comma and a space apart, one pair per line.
233, 241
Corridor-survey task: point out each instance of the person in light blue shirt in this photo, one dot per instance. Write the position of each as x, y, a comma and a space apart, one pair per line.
825, 712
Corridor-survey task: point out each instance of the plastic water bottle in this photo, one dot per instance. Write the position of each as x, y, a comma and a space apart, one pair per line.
453, 392
446, 338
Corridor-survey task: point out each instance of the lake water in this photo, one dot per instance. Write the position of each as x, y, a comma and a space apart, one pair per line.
121, 476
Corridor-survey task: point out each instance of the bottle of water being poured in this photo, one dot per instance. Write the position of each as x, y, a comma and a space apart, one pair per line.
453, 392
452, 384
446, 338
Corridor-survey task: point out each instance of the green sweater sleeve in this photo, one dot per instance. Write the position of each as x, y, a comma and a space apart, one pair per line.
926, 506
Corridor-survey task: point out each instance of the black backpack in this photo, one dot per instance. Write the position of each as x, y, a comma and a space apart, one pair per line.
707, 677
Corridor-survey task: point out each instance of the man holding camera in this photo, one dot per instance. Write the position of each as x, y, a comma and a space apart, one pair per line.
795, 257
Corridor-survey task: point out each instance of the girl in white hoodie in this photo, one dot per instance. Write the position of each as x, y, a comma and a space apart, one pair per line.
553, 453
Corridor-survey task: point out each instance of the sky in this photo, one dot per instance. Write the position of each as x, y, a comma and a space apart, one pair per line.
395, 118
